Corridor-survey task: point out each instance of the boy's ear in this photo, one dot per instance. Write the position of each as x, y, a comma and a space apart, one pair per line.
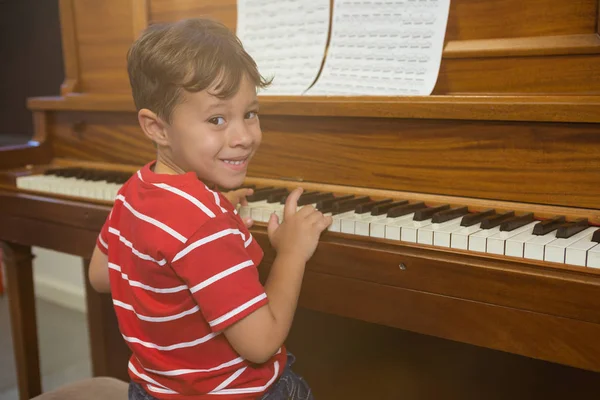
154, 127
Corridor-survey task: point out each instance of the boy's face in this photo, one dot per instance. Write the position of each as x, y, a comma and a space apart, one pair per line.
216, 138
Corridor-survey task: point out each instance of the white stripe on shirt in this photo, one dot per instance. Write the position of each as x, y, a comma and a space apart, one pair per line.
221, 275
102, 242
175, 346
177, 372
149, 380
255, 389
186, 196
208, 239
217, 200
133, 283
155, 319
133, 249
229, 380
237, 310
152, 221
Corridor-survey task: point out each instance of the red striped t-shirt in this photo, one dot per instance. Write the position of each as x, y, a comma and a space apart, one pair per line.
182, 269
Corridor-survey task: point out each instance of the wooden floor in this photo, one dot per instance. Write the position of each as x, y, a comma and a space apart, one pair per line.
63, 343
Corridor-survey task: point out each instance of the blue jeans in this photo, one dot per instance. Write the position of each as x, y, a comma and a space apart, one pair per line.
289, 386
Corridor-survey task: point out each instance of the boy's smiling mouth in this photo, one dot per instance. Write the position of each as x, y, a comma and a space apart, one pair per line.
236, 162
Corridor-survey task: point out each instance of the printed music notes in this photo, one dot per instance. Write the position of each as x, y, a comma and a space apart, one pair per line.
287, 39
377, 47
385, 48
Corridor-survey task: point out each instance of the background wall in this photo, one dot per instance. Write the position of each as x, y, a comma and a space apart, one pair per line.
31, 65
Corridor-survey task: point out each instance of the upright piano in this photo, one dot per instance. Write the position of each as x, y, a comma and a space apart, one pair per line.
464, 260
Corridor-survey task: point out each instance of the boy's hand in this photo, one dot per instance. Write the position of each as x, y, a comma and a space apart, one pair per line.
300, 231
239, 197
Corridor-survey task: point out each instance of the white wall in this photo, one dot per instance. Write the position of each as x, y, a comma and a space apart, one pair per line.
59, 278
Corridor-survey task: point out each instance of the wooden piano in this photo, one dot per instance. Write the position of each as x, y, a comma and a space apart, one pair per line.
512, 131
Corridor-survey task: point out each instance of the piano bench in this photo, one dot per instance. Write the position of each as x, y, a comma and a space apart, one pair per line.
99, 388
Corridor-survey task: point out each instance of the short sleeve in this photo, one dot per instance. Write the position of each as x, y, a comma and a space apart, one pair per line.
102, 240
220, 272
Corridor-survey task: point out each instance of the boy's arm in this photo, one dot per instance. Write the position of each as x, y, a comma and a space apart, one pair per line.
98, 271
259, 335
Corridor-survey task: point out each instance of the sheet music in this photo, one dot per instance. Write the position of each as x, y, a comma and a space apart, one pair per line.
385, 48
287, 39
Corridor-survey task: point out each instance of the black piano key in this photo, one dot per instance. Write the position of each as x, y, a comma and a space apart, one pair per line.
447, 215
313, 197
278, 197
596, 236
547, 226
348, 205
496, 220
326, 205
122, 178
384, 208
264, 193
368, 207
427, 213
472, 219
405, 209
569, 229
516, 222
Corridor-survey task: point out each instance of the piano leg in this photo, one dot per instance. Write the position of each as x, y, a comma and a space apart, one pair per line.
109, 353
21, 299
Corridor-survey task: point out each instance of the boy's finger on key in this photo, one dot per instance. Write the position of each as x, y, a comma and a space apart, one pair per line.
291, 203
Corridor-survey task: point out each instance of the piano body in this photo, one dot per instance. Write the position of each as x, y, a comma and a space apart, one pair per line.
393, 305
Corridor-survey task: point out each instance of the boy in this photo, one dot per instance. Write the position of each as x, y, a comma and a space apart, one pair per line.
175, 255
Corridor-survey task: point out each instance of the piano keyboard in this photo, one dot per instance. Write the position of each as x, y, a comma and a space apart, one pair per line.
553, 240
78, 182
573, 243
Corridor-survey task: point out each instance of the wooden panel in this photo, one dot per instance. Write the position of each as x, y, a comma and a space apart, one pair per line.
105, 30
174, 10
504, 108
461, 158
530, 46
342, 358
571, 342
112, 137
537, 163
469, 19
520, 75
69, 47
489, 281
487, 19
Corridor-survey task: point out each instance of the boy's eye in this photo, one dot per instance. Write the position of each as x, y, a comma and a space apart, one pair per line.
217, 120
251, 114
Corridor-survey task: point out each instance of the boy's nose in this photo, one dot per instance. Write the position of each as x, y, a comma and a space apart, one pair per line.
241, 136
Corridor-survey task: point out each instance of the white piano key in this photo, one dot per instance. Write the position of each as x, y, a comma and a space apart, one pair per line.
478, 240
362, 226
394, 227
534, 247
577, 252
336, 225
426, 234
377, 228
460, 238
410, 231
496, 244
443, 236
593, 259
347, 223
556, 251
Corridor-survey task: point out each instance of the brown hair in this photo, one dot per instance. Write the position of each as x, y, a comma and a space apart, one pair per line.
191, 55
